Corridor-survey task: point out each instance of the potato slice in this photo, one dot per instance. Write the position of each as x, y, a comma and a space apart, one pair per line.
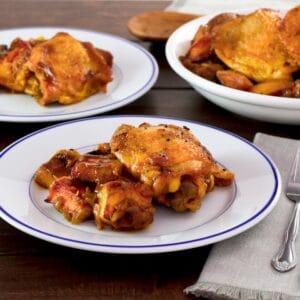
234, 80
274, 88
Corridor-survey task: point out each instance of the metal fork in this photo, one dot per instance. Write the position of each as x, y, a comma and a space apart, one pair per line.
286, 259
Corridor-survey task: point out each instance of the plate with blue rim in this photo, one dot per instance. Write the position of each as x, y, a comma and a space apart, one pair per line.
135, 71
224, 213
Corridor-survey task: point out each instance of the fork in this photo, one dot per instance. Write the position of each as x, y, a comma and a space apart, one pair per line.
286, 259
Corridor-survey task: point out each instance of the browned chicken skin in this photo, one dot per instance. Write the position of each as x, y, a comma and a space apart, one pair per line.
169, 159
67, 70
60, 164
61, 69
124, 205
96, 169
290, 33
72, 199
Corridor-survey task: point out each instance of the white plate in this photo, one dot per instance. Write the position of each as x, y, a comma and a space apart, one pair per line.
134, 73
225, 211
261, 107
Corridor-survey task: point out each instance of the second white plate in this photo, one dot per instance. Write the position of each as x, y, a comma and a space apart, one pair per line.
134, 73
225, 212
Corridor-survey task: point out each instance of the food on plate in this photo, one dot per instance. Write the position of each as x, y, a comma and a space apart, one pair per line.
96, 169
119, 182
289, 32
60, 164
13, 72
61, 69
124, 205
95, 185
170, 160
257, 52
72, 198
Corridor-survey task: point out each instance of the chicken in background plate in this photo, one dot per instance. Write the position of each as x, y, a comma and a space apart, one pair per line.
13, 70
258, 52
61, 69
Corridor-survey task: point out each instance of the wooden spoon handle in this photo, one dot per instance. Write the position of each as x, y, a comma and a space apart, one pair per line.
157, 25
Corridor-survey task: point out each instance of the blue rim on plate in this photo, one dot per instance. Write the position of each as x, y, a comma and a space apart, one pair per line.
190, 243
137, 92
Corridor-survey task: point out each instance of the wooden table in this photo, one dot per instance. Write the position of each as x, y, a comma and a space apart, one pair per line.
34, 269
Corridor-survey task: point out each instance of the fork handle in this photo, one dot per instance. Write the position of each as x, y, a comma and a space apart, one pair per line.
286, 259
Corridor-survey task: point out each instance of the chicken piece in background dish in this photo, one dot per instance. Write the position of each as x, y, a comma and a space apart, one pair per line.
251, 45
290, 32
124, 205
60, 164
73, 199
66, 71
96, 169
169, 159
201, 47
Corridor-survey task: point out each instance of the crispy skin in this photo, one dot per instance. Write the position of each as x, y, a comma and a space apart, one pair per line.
124, 205
169, 159
60, 164
72, 199
290, 32
251, 45
97, 169
67, 70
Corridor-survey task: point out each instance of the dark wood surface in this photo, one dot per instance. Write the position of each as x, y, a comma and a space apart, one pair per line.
34, 269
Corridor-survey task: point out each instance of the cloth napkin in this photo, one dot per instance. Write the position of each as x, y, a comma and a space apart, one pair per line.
240, 268
214, 6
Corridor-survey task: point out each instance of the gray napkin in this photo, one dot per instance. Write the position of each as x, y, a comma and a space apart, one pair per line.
239, 268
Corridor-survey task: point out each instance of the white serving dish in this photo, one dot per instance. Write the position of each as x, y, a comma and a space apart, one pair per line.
261, 107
